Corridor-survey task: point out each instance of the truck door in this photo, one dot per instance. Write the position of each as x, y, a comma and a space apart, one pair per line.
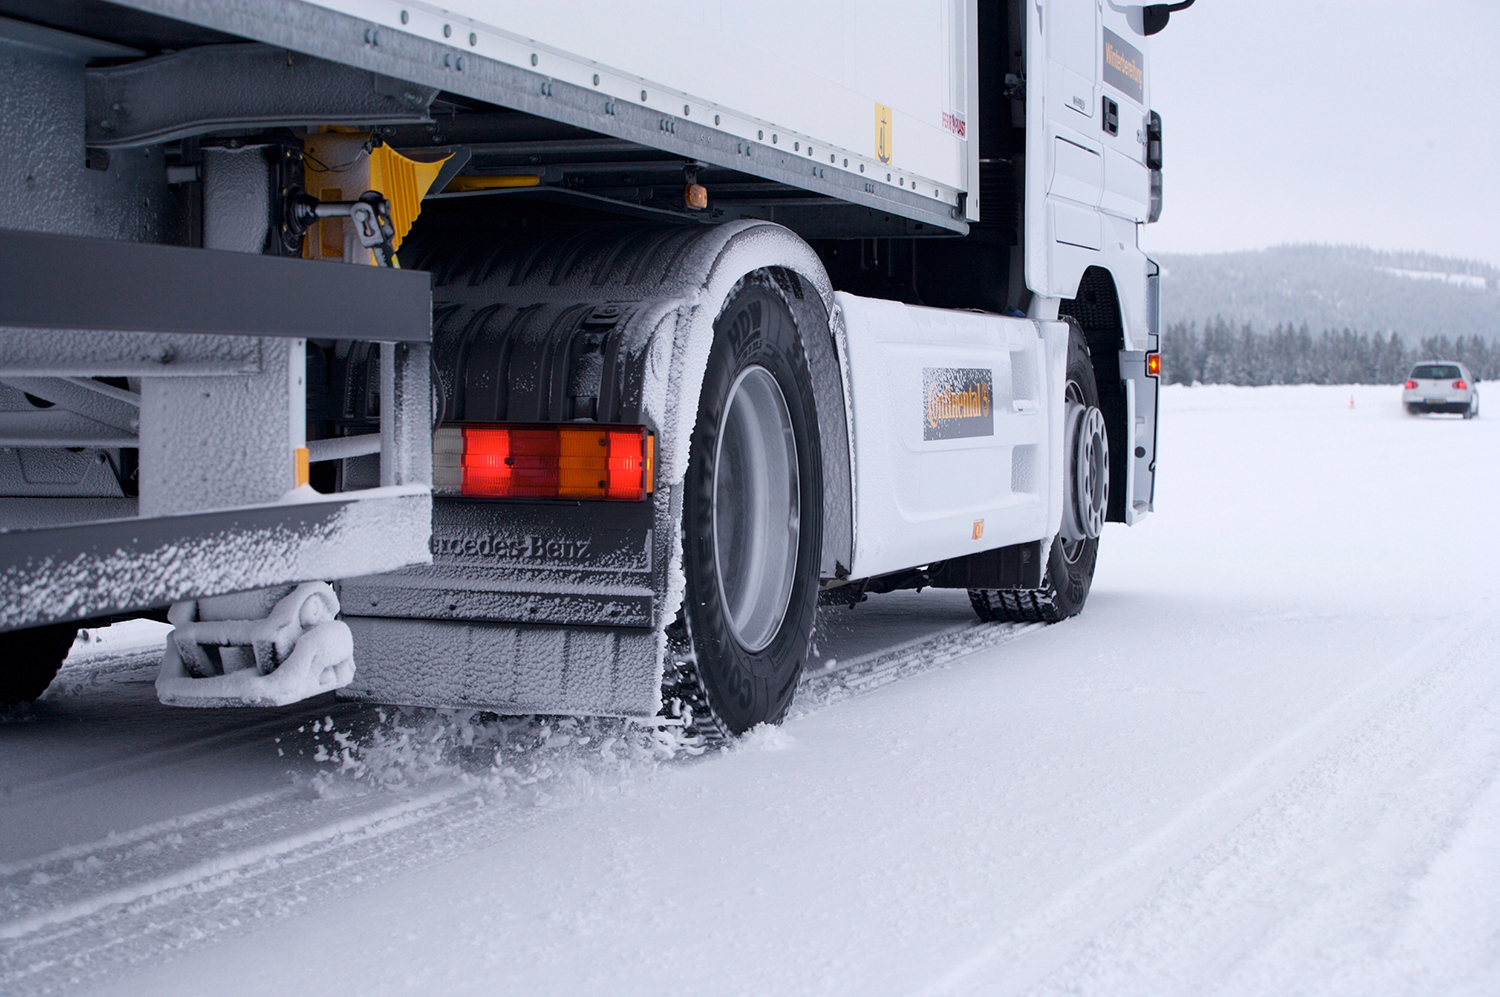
1123, 126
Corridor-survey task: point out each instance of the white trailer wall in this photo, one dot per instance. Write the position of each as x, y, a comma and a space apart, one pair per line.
809, 74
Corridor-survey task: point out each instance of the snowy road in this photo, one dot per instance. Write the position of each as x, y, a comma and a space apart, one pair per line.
1264, 761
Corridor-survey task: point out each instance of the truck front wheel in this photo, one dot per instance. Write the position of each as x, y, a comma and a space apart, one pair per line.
1069, 571
752, 521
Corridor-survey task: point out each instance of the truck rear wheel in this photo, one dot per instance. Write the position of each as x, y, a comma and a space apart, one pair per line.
32, 658
752, 521
1069, 571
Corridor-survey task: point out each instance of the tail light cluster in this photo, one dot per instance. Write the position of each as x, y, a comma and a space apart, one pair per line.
1411, 385
1461, 384
511, 460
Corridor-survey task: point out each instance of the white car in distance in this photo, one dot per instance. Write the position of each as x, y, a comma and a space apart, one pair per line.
1441, 386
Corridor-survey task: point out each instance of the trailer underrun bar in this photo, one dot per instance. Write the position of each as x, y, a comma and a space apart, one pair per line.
73, 309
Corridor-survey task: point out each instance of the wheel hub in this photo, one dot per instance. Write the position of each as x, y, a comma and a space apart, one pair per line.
756, 517
1087, 470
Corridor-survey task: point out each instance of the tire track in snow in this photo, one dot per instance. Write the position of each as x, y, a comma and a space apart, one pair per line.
868, 672
227, 865
1107, 936
181, 880
72, 915
189, 746
144, 833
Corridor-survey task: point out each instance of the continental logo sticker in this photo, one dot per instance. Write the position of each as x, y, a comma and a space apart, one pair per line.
883, 133
1124, 67
960, 403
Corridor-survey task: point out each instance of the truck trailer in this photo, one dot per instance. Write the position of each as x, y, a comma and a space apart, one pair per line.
562, 358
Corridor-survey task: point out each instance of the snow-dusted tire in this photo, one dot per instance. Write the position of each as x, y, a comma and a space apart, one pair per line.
1069, 571
752, 522
31, 658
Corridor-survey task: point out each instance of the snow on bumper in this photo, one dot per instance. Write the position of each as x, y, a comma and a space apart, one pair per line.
298, 650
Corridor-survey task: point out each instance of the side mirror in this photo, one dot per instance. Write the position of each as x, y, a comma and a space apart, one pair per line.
1155, 16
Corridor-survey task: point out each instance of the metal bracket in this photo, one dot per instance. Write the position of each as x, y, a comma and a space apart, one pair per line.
370, 216
216, 87
104, 403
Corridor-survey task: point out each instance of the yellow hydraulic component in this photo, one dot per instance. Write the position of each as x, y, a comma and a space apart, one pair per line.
404, 183
342, 165
460, 184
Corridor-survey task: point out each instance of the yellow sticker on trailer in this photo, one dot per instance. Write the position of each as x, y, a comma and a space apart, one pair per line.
883, 133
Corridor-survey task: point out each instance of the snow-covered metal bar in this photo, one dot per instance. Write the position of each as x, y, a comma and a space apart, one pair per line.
216, 341
95, 569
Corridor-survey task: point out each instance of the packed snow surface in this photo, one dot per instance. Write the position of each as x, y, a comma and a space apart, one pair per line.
1263, 761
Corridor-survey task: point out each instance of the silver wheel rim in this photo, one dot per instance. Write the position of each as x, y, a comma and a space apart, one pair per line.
1087, 485
756, 517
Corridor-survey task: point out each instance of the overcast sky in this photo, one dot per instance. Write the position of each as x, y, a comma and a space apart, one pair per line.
1375, 123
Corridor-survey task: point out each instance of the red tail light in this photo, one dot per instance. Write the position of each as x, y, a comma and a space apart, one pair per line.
1460, 384
588, 462
1410, 385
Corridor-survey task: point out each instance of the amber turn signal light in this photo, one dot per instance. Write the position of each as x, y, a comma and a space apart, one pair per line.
1153, 364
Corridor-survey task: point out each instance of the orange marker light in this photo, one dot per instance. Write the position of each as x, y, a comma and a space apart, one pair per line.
301, 471
695, 196
562, 462
1153, 364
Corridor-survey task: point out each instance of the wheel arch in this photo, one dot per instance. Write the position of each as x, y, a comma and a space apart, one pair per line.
510, 307
1095, 308
777, 257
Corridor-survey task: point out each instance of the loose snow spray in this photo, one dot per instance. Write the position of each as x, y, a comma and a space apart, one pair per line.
533, 759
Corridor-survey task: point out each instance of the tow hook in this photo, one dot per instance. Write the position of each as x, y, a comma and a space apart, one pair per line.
298, 649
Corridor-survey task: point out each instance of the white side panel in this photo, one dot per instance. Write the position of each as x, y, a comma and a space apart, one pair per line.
918, 496
1129, 266
1074, 226
808, 72
1072, 64
1077, 171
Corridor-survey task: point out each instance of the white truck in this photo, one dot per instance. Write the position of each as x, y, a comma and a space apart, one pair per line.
562, 358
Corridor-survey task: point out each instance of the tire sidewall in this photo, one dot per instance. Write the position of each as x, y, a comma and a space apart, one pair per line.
1071, 581
745, 688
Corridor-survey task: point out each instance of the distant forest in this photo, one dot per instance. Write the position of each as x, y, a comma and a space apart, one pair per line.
1334, 287
1221, 353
